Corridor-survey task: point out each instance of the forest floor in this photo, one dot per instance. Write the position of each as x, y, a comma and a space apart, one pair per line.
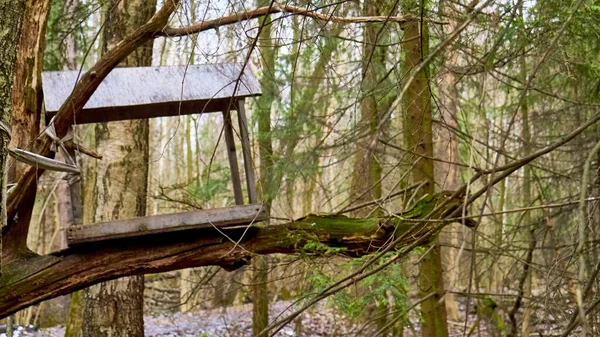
323, 320
235, 321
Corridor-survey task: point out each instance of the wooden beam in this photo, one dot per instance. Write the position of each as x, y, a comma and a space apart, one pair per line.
165, 223
233, 163
103, 115
247, 152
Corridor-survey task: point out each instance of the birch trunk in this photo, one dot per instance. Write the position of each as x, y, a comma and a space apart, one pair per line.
115, 308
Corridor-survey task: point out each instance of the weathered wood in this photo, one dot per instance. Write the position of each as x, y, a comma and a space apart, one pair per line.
232, 156
24, 192
168, 91
43, 277
165, 223
74, 181
247, 152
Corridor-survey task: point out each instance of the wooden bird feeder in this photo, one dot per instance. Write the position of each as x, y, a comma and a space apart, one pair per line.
149, 92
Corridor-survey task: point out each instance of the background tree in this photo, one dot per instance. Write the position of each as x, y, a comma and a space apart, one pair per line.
418, 134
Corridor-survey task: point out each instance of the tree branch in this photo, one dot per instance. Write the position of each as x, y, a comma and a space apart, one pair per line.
38, 278
275, 8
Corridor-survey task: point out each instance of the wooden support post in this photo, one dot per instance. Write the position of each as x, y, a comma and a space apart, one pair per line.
233, 163
247, 152
70, 208
74, 180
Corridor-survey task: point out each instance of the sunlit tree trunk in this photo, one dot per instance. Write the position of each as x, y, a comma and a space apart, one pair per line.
418, 137
115, 308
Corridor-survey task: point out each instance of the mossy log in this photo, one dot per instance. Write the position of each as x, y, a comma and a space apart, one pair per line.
31, 279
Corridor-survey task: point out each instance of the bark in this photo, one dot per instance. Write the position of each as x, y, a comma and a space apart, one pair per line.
27, 106
447, 149
260, 294
10, 28
366, 178
366, 185
525, 287
260, 265
27, 89
115, 308
75, 316
418, 136
60, 273
70, 52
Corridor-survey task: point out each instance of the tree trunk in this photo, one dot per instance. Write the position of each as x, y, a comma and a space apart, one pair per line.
10, 28
260, 265
27, 89
366, 184
447, 149
74, 321
75, 316
366, 178
418, 136
115, 308
526, 219
27, 104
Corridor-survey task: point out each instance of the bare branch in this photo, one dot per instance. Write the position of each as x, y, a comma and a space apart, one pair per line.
262, 11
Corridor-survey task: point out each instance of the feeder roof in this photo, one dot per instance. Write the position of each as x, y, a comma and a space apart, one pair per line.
147, 92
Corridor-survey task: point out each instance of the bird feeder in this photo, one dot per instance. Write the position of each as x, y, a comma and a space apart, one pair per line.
150, 92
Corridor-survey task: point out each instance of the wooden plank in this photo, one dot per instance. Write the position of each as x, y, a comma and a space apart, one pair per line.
210, 218
233, 163
247, 152
103, 115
